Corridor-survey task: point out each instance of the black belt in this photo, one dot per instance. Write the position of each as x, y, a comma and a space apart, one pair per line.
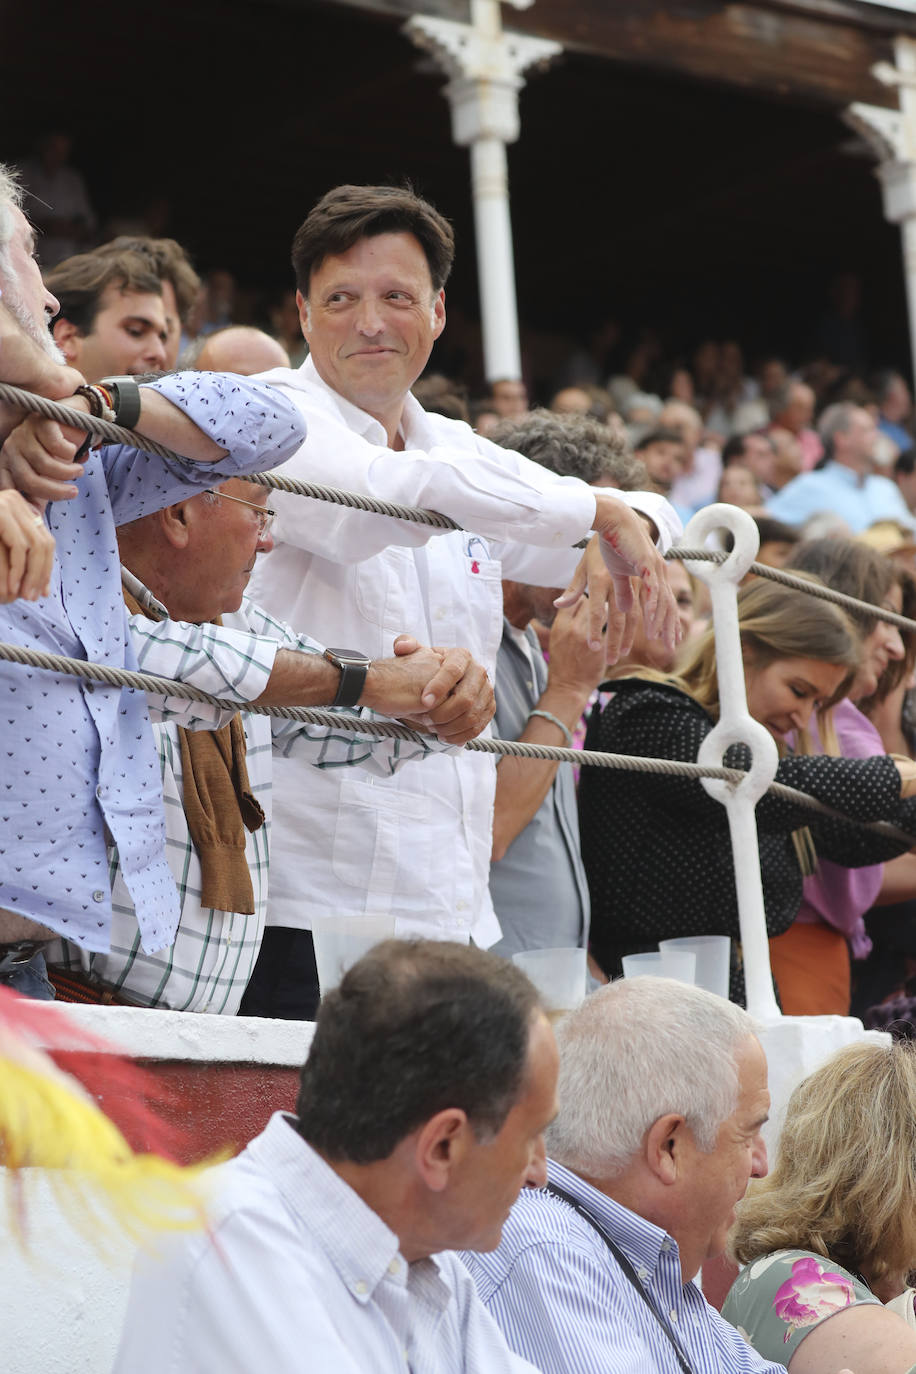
14, 955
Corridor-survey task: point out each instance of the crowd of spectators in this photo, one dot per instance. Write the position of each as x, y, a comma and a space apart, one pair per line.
168, 853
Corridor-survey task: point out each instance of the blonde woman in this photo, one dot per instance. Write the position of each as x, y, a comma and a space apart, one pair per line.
656, 849
830, 1234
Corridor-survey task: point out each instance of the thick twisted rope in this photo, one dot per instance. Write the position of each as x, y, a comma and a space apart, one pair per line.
116, 434
147, 682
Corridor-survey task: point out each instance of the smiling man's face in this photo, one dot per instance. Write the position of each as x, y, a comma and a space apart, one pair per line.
371, 319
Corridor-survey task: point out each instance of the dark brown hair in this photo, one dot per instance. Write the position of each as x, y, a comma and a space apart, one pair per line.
79, 283
350, 213
415, 1027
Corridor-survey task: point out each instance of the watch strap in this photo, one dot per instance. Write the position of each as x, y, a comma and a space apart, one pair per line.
125, 397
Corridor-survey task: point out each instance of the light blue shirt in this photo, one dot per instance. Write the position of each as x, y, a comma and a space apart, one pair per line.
564, 1303
860, 501
79, 758
297, 1275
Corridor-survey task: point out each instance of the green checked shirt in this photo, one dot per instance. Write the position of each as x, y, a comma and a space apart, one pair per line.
210, 963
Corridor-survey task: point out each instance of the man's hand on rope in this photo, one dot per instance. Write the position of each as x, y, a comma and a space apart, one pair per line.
621, 550
38, 457
453, 695
26, 550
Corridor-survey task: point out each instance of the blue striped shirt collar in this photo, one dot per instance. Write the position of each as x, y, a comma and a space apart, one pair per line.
641, 1241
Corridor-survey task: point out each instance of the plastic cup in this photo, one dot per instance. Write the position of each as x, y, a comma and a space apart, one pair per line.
679, 964
341, 940
559, 976
713, 953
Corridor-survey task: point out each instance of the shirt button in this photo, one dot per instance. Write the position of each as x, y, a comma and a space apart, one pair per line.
440, 612
666, 1246
461, 906
673, 1315
89, 687
98, 895
394, 1268
361, 1288
100, 791
642, 1273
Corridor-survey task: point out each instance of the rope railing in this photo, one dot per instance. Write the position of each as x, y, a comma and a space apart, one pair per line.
116, 434
148, 682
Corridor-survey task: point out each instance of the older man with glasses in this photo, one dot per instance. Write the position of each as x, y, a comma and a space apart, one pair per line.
189, 566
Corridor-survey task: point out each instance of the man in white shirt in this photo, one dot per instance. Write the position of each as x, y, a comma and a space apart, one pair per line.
429, 1083
371, 263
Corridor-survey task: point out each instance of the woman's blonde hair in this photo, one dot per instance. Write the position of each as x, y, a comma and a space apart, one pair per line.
775, 622
844, 1182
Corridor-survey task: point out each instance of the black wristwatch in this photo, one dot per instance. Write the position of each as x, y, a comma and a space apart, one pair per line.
125, 398
353, 667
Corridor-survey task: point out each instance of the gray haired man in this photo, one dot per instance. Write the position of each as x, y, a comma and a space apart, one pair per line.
662, 1096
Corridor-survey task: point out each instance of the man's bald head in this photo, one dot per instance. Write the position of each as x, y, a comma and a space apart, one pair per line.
242, 350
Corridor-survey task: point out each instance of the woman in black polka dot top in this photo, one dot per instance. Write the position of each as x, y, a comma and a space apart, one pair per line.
657, 850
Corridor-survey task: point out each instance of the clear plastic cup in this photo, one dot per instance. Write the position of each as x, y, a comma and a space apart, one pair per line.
713, 954
341, 940
662, 963
559, 976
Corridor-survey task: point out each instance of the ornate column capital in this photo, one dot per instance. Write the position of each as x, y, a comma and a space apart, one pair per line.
485, 71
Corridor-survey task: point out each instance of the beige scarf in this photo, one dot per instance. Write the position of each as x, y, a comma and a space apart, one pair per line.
219, 805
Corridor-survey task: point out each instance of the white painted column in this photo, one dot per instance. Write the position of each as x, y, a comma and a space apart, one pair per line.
892, 136
485, 66
737, 726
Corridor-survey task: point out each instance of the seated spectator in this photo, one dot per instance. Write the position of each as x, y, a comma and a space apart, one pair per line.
666, 457
777, 541
112, 318
442, 396
754, 451
799, 653
845, 484
788, 461
697, 485
739, 487
829, 1236
792, 408
217, 768
662, 1097
571, 400
895, 408
811, 960
509, 398
238, 348
424, 1098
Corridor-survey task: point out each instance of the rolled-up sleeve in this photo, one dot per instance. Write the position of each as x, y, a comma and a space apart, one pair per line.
257, 425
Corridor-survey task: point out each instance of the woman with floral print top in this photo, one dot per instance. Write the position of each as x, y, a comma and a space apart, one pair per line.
830, 1235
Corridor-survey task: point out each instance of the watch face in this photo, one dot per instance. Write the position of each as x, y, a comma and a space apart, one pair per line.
354, 656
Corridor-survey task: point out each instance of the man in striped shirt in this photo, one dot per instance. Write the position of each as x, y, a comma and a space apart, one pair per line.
662, 1093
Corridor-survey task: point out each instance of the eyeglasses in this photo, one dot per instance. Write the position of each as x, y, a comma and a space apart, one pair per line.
266, 516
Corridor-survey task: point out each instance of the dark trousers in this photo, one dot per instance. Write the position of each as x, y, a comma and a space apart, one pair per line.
284, 983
